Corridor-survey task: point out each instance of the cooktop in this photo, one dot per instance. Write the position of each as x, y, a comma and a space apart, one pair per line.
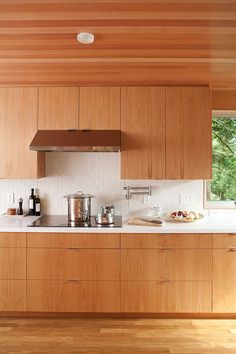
62, 221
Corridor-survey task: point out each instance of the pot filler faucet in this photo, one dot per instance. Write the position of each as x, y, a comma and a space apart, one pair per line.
137, 190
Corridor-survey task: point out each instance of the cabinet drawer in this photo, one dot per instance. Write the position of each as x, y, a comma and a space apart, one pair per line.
66, 240
69, 264
166, 240
12, 239
188, 296
224, 240
12, 295
12, 263
73, 296
169, 264
224, 281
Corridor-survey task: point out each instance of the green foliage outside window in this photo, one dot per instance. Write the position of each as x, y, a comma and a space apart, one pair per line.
223, 185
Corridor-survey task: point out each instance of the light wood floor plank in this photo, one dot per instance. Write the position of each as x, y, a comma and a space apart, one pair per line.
116, 336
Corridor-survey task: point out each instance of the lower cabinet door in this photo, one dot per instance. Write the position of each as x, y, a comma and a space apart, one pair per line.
76, 264
173, 296
224, 280
12, 295
12, 263
73, 296
163, 264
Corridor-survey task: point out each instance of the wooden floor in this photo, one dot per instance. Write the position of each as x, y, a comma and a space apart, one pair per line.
113, 336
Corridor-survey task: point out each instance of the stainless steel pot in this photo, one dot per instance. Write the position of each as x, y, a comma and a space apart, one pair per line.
79, 206
108, 210
104, 219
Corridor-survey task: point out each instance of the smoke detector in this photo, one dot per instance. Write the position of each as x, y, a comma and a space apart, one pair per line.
85, 37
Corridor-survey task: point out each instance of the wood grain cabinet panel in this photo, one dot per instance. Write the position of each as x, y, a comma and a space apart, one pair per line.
58, 108
73, 296
73, 240
143, 133
12, 263
12, 239
12, 271
224, 240
174, 297
18, 125
188, 133
175, 241
224, 280
73, 264
166, 264
99, 108
12, 295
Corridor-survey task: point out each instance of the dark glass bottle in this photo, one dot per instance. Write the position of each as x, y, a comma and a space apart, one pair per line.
32, 203
37, 205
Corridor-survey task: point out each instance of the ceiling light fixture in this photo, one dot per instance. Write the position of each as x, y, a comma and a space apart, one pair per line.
85, 37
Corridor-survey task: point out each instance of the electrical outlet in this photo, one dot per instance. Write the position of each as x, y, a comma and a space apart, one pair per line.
11, 197
187, 198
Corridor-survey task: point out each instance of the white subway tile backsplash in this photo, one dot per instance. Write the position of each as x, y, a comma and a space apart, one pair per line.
97, 174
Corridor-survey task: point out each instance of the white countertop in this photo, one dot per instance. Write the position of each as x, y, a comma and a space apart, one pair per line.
210, 224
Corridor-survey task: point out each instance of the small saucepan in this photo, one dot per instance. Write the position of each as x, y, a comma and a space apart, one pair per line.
104, 219
108, 209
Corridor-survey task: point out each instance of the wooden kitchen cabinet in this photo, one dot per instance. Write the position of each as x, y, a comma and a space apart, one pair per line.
188, 133
99, 108
224, 281
225, 241
166, 273
73, 264
166, 133
58, 108
12, 263
166, 264
112, 273
165, 240
166, 296
73, 296
13, 239
12, 271
224, 274
18, 125
142, 133
12, 295
73, 240
72, 272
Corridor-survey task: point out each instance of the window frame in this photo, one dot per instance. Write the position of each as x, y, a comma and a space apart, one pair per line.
218, 204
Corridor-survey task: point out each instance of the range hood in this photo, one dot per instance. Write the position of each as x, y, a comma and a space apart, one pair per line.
76, 140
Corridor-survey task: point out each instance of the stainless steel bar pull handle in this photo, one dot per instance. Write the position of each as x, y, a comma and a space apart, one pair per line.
165, 249
164, 281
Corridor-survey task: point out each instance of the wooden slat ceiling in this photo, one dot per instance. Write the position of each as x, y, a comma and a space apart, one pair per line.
136, 42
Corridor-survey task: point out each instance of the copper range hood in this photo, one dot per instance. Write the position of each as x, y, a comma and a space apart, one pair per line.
76, 140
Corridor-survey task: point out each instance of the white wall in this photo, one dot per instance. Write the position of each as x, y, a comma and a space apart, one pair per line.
98, 174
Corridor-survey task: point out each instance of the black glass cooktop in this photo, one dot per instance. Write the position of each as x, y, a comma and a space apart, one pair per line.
62, 221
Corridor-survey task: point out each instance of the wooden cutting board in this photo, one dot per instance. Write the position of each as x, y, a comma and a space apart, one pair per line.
139, 222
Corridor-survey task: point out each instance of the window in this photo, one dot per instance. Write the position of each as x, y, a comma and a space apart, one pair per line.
220, 192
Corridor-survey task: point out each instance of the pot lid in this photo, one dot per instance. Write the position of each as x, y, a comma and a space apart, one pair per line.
78, 195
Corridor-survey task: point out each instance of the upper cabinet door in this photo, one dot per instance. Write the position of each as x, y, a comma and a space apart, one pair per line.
58, 108
18, 125
99, 108
143, 133
188, 133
